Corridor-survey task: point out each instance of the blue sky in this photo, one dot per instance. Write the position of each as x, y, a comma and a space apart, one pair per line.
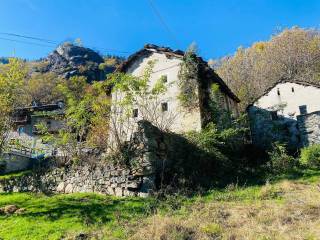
218, 27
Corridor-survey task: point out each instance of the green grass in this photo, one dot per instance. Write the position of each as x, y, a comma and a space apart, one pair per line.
107, 217
53, 217
14, 175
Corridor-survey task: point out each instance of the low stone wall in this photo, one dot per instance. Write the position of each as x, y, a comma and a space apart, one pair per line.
309, 127
108, 179
100, 177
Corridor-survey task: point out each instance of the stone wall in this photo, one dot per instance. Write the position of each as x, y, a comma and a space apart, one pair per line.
107, 179
136, 179
309, 127
266, 130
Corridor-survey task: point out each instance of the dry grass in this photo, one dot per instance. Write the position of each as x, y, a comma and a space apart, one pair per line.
286, 210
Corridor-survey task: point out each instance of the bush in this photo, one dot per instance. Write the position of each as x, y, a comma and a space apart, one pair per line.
198, 160
280, 161
310, 156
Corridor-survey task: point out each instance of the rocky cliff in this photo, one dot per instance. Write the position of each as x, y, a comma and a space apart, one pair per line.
70, 60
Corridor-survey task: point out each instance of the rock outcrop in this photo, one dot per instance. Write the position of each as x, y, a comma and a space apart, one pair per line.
69, 60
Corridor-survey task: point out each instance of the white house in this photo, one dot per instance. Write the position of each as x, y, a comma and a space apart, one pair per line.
274, 115
173, 114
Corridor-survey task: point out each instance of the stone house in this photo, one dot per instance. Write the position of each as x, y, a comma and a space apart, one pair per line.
287, 112
177, 118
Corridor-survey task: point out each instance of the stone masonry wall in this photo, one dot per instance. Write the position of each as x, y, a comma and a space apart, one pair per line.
265, 130
309, 127
100, 177
83, 178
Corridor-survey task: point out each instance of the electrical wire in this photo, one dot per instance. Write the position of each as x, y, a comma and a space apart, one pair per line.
52, 42
25, 42
29, 37
162, 21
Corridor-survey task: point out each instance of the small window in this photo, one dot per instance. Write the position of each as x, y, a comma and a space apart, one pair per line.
274, 115
303, 109
135, 113
292, 89
164, 107
164, 78
278, 92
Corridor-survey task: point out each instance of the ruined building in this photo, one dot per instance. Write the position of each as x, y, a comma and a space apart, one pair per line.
287, 112
173, 115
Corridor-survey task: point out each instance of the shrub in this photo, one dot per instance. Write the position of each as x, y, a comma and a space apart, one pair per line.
280, 161
213, 230
310, 156
199, 159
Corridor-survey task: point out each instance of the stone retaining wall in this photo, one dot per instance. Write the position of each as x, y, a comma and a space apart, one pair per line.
83, 178
100, 177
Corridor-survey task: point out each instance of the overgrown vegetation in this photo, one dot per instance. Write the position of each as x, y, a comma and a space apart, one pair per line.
11, 81
276, 210
280, 160
218, 156
189, 79
292, 54
209, 157
310, 156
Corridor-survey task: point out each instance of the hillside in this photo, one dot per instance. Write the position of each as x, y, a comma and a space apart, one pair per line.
69, 60
283, 209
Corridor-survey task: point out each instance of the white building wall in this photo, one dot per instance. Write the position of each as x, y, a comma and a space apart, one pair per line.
292, 95
183, 119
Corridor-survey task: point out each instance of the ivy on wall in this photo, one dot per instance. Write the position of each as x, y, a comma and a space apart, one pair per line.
189, 79
219, 115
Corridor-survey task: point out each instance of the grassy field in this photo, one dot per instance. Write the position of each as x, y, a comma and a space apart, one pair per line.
284, 209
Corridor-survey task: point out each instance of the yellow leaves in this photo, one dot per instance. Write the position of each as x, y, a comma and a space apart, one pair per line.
259, 46
291, 54
11, 82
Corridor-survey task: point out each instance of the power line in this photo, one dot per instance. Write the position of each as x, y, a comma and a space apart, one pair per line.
162, 21
29, 37
43, 45
25, 42
52, 42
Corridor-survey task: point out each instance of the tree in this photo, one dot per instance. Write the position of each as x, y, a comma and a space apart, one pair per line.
98, 134
77, 115
131, 92
11, 82
292, 54
86, 118
42, 88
